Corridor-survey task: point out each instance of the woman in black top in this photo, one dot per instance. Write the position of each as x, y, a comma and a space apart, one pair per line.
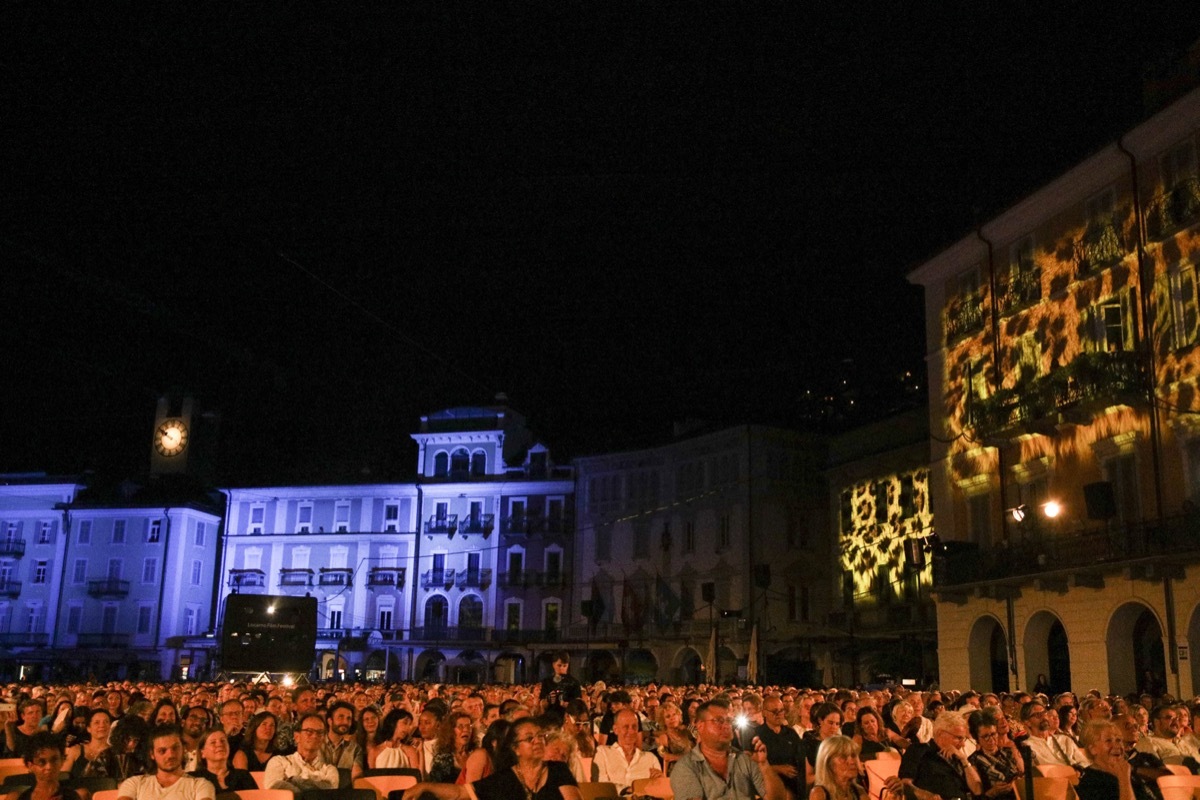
1110, 775
214, 764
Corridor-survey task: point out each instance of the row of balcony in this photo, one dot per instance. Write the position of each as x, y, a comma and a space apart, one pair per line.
1032, 550
484, 524
1066, 395
101, 588
384, 577
86, 640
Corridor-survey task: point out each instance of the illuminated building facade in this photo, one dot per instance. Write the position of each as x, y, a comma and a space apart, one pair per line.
719, 531
460, 575
1063, 360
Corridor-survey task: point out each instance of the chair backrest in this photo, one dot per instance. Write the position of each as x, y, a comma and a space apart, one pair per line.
13, 769
1177, 769
263, 794
1046, 789
260, 777
12, 762
383, 785
598, 790
1057, 771
653, 787
1178, 787
107, 794
383, 771
878, 772
338, 794
15, 781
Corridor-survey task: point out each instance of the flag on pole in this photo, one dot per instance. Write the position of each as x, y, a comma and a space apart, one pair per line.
667, 604
710, 663
752, 658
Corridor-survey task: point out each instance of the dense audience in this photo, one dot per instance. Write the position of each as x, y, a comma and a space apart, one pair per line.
541, 741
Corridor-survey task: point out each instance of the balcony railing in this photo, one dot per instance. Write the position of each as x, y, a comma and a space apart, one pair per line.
447, 525
1071, 391
108, 588
473, 579
1174, 209
336, 576
526, 635
482, 524
516, 526
1035, 550
114, 640
432, 579
1100, 246
12, 548
294, 577
247, 578
529, 578
447, 633
10, 588
556, 526
386, 577
963, 317
1024, 288
24, 639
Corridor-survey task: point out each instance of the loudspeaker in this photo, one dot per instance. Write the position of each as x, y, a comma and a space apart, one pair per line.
1100, 499
762, 576
708, 592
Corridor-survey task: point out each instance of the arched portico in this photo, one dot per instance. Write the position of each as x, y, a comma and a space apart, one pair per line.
1134, 642
687, 667
1047, 651
429, 666
987, 655
640, 666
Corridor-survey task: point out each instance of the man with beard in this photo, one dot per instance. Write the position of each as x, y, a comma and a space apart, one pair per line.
304, 769
1045, 746
196, 720
339, 748
168, 781
1163, 740
712, 769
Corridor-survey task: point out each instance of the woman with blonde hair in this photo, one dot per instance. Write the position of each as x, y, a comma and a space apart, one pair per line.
836, 774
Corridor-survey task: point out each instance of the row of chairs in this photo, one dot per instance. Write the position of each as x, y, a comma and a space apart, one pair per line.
643, 787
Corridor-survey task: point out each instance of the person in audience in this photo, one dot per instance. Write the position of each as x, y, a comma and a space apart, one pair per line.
996, 759
214, 767
44, 759
1108, 775
305, 768
838, 769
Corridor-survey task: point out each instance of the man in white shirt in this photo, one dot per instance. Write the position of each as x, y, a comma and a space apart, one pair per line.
168, 781
1047, 748
1163, 740
304, 769
625, 761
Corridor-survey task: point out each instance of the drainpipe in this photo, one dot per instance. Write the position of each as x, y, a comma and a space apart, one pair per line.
62, 572
1146, 286
993, 286
162, 584
416, 569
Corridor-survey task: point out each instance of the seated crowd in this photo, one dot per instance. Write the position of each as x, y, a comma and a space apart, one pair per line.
191, 741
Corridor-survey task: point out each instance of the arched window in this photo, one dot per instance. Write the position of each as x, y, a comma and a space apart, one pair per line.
470, 613
460, 462
478, 463
436, 616
441, 465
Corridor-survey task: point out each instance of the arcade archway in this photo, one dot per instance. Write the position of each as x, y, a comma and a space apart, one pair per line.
987, 655
1135, 648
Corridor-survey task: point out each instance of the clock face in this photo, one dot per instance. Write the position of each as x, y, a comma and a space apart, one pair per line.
171, 437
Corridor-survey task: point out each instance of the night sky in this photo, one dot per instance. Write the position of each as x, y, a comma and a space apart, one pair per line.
324, 223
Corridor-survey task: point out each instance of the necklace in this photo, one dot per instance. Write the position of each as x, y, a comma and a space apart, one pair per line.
537, 780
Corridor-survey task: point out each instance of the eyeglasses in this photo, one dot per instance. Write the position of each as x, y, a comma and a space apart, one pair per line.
541, 737
314, 731
986, 736
720, 721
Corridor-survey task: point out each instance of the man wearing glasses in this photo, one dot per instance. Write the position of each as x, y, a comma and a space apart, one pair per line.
712, 770
785, 751
304, 769
939, 770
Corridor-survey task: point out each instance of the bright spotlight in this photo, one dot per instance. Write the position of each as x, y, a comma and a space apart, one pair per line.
287, 680
1052, 509
1018, 513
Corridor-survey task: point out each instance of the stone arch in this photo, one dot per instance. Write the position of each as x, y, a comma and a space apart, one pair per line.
437, 616
441, 464
987, 655
460, 462
479, 463
428, 666
792, 666
687, 667
1047, 651
509, 667
641, 666
470, 613
727, 665
602, 666
331, 665
1134, 641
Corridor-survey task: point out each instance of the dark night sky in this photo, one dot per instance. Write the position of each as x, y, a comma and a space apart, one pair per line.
325, 223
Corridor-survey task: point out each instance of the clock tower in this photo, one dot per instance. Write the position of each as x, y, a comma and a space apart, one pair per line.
180, 430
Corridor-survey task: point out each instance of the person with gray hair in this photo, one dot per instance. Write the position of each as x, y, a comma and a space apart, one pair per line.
939, 770
836, 775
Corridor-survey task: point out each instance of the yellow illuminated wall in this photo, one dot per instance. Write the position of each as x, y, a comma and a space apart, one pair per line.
867, 544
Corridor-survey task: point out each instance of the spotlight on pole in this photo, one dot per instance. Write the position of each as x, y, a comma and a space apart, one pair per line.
1018, 513
1052, 509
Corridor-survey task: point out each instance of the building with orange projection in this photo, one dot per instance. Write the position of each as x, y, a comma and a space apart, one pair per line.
1064, 350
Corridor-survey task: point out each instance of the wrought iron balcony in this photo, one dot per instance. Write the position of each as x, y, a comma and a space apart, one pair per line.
482, 524
434, 579
1100, 246
521, 525
386, 577
447, 525
336, 576
1173, 210
964, 316
12, 548
526, 635
247, 578
1024, 288
530, 578
294, 577
114, 640
24, 639
446, 633
108, 588
10, 588
473, 579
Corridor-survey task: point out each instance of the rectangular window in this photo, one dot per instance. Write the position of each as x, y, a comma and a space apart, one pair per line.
108, 619
200, 535
516, 563
118, 534
257, 515
40, 571
12, 531
35, 619
341, 518
114, 569
154, 531
304, 519
1121, 472
197, 570
641, 540
190, 621
512, 617
145, 614
553, 567
881, 502
689, 537
979, 511
150, 570
44, 533
391, 518
723, 533
385, 619
551, 617
74, 619
908, 503
846, 513
85, 532
335, 618
79, 572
